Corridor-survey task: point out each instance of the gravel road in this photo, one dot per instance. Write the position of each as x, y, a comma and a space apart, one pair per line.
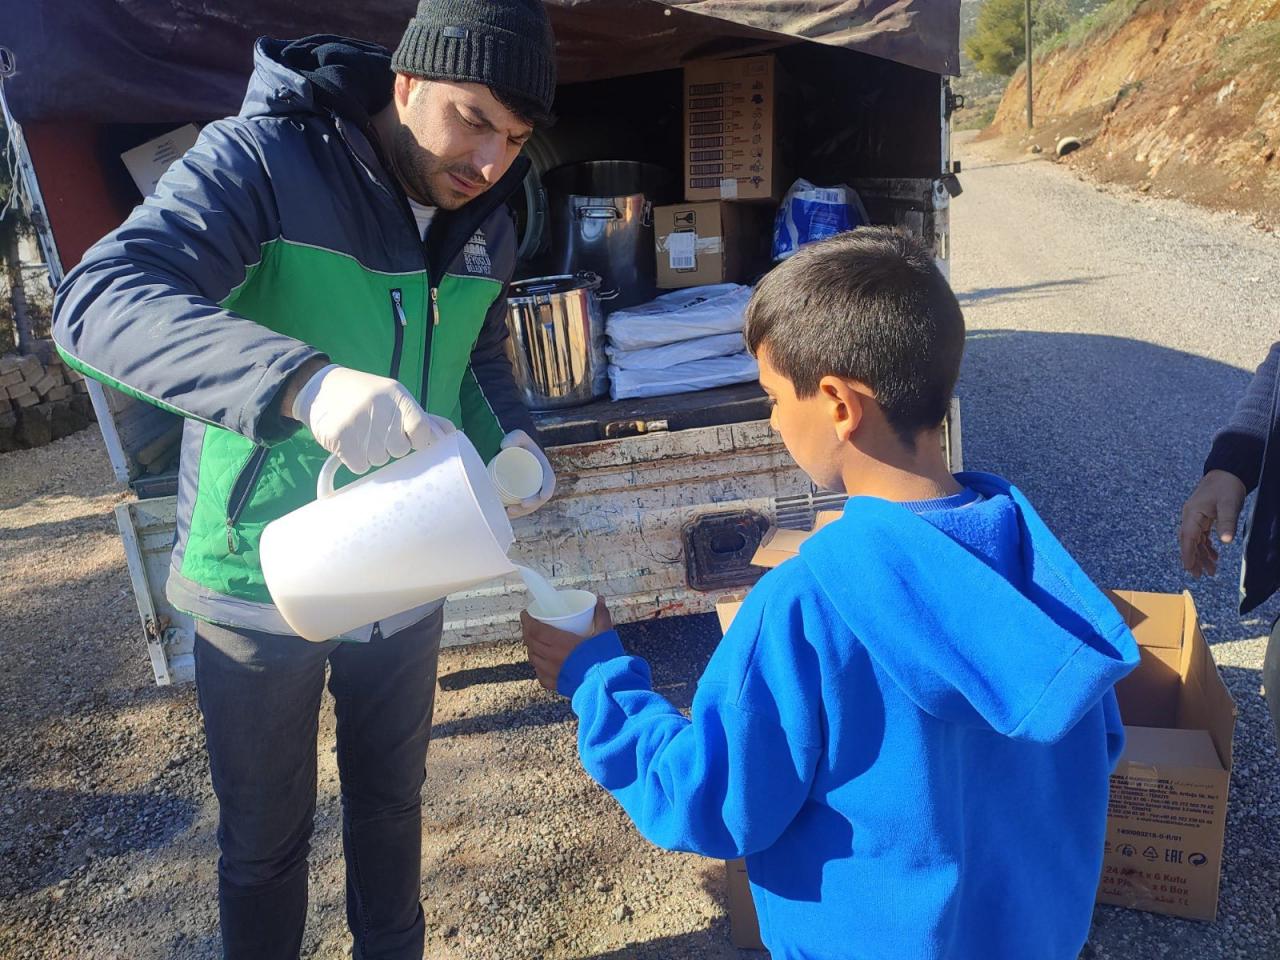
1109, 336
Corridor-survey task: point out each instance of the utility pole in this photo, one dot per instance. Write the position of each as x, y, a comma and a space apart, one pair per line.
1030, 119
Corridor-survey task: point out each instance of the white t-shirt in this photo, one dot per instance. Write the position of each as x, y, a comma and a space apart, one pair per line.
423, 215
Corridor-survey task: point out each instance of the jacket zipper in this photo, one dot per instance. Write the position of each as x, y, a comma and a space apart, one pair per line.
491, 202
398, 323
240, 491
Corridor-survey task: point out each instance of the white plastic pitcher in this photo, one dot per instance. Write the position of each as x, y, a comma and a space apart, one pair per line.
407, 534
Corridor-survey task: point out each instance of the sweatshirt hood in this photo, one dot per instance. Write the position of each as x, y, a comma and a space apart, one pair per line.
319, 74
1021, 641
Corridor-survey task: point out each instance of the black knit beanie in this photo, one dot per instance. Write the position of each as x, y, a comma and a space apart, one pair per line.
505, 44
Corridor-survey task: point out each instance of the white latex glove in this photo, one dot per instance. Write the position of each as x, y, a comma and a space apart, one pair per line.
363, 418
518, 438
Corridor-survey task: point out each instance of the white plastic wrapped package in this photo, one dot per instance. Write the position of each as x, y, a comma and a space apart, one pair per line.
680, 315
809, 213
683, 377
670, 354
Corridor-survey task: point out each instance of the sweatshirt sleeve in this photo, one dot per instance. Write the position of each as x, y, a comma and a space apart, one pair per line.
1238, 447
727, 781
143, 313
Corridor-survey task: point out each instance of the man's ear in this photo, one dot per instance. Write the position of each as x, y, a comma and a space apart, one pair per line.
846, 400
404, 88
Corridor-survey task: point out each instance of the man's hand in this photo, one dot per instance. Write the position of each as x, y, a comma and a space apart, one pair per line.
518, 438
363, 418
548, 648
1214, 505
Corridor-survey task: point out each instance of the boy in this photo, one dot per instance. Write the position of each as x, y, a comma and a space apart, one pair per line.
908, 730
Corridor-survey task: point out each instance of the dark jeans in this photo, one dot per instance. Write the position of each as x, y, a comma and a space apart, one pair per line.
260, 697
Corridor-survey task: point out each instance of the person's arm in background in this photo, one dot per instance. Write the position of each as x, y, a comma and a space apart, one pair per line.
1231, 471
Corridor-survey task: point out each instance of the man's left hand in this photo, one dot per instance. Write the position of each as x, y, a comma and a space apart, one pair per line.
518, 438
549, 648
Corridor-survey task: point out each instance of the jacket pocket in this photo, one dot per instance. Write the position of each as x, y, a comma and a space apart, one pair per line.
240, 491
398, 323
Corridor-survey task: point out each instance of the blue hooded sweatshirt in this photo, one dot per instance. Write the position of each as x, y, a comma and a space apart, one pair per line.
907, 731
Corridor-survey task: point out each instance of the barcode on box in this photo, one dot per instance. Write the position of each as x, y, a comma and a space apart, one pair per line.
705, 89
705, 143
707, 169
706, 103
703, 156
705, 129
682, 250
709, 116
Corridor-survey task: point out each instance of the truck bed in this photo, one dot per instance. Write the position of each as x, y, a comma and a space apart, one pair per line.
613, 419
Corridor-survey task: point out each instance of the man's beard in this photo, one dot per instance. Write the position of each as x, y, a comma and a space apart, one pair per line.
416, 169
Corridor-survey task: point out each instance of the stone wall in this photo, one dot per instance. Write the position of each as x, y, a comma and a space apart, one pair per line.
41, 399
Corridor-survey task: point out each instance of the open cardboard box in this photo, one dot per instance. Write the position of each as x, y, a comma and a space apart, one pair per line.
1168, 808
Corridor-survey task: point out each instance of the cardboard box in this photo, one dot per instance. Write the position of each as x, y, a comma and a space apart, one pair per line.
780, 544
1168, 809
744, 925
731, 144
149, 161
711, 242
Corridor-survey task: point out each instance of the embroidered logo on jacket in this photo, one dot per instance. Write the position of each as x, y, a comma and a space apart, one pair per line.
476, 254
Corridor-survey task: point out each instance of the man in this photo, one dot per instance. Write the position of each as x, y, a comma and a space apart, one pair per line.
1243, 458
277, 291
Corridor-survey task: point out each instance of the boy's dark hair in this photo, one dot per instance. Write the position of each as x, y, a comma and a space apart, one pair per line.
869, 305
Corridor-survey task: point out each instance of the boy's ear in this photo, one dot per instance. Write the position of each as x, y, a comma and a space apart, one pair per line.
846, 400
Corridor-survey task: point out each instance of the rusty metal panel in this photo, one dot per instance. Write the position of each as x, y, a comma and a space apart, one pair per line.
615, 524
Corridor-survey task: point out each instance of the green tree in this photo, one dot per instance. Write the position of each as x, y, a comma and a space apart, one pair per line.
998, 44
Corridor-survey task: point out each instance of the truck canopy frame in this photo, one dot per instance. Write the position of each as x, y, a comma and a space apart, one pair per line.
174, 61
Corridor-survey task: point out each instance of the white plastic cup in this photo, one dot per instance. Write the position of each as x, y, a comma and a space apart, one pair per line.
580, 622
517, 475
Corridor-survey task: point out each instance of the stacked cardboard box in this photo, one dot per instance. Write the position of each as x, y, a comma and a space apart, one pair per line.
734, 175
732, 142
711, 242
41, 399
1167, 816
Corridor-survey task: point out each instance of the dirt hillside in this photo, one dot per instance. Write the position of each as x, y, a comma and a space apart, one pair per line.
1177, 97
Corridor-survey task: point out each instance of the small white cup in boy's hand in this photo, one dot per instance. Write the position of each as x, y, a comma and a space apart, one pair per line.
577, 614
550, 641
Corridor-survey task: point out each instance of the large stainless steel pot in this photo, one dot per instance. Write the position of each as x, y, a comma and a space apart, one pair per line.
557, 340
601, 219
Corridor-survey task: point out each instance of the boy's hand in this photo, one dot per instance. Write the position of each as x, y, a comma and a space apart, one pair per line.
1214, 506
548, 648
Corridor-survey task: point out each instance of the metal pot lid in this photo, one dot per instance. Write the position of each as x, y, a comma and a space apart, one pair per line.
528, 290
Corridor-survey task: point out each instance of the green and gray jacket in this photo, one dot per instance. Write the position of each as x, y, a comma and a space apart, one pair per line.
278, 237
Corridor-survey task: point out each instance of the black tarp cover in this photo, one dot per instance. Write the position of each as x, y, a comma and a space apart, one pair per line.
158, 61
